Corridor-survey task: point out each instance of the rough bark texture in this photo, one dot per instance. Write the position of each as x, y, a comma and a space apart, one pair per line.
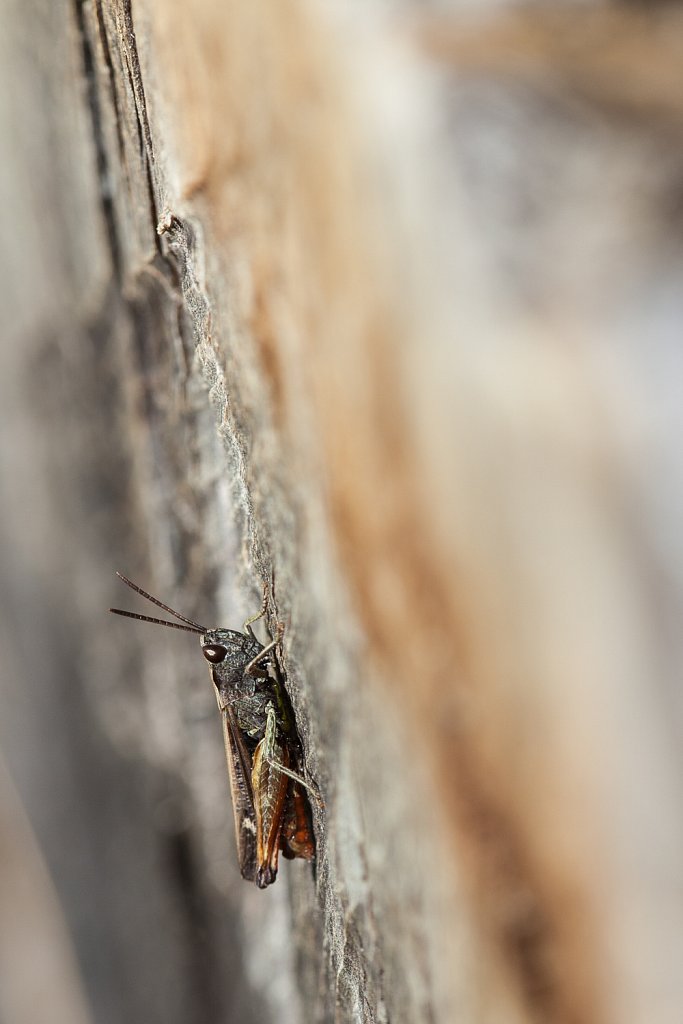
380, 307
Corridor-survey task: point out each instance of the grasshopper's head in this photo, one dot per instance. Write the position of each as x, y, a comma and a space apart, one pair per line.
227, 645
228, 654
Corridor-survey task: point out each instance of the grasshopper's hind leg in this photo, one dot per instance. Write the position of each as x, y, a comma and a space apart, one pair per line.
269, 757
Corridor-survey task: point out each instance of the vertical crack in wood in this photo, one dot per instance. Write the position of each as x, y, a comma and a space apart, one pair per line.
106, 53
99, 141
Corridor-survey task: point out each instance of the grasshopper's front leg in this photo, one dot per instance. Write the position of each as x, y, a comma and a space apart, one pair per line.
259, 615
253, 667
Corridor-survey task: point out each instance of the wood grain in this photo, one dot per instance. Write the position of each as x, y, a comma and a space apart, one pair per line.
382, 310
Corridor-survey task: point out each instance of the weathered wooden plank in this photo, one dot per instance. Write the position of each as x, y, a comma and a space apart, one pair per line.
385, 313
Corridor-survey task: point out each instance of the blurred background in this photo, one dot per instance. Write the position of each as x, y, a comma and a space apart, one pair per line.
378, 303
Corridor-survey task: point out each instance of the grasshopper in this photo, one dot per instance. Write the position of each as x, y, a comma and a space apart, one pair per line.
262, 747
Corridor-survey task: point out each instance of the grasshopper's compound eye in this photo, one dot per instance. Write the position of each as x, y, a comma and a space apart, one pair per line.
215, 653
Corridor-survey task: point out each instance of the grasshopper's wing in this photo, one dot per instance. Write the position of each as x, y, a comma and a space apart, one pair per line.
239, 770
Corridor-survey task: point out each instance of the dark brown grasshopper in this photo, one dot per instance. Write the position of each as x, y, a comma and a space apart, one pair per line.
272, 811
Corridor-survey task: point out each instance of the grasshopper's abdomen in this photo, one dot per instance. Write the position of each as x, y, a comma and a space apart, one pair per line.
297, 831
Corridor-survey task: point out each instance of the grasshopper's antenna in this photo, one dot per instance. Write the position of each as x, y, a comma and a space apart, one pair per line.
183, 618
159, 622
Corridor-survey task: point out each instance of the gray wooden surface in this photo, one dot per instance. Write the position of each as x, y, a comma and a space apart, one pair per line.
380, 305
